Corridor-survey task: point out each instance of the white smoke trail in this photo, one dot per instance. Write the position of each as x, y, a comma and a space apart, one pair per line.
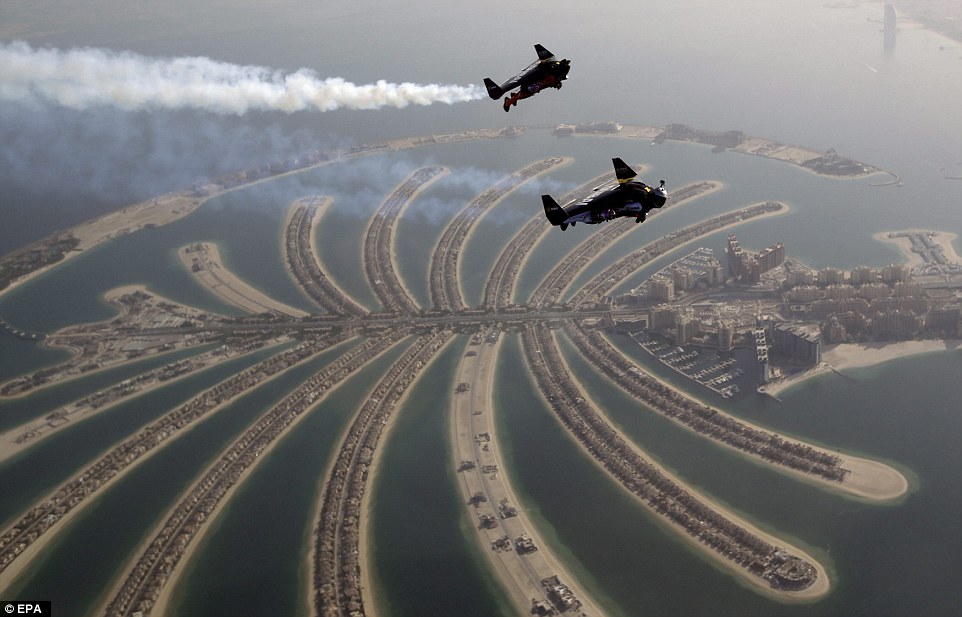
82, 78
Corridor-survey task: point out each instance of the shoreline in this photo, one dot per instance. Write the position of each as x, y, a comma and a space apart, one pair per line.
869, 479
904, 245
197, 542
25, 560
44, 426
365, 544
846, 356
203, 260
819, 588
395, 265
513, 571
126, 220
55, 340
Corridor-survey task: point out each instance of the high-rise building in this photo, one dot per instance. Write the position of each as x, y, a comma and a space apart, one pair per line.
716, 272
889, 27
839, 292
805, 293
830, 276
662, 317
734, 253
686, 327
896, 324
748, 267
798, 343
834, 331
871, 291
919, 306
771, 258
761, 354
661, 289
726, 335
893, 273
821, 309
854, 322
905, 289
797, 278
944, 319
863, 274
683, 278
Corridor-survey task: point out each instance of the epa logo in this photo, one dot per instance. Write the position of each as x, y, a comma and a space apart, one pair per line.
36, 609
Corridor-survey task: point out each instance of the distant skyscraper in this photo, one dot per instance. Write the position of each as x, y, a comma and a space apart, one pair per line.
726, 335
761, 353
830, 276
683, 278
748, 267
685, 329
661, 289
888, 29
798, 343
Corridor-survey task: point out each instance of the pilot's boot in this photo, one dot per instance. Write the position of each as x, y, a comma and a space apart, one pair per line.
640, 218
509, 101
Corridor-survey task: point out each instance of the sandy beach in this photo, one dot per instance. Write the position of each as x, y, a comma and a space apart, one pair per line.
838, 358
868, 479
197, 542
473, 415
816, 591
35, 549
44, 427
204, 262
912, 259
365, 545
151, 213
322, 206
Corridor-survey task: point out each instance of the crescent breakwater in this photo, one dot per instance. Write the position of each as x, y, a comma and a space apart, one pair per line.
25, 263
339, 557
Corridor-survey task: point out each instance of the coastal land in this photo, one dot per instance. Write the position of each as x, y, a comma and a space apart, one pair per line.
842, 356
902, 241
838, 358
70, 500
343, 511
516, 550
204, 261
131, 219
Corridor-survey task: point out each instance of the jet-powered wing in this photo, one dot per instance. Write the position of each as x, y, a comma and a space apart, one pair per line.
543, 54
627, 199
622, 171
545, 72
